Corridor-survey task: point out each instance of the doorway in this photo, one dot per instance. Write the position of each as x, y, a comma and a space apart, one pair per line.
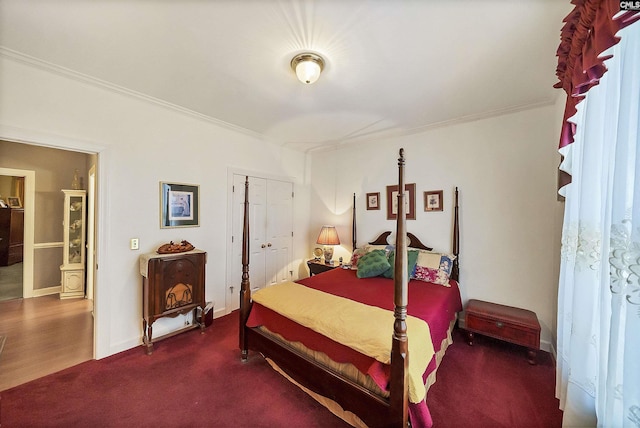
11, 236
16, 273
41, 266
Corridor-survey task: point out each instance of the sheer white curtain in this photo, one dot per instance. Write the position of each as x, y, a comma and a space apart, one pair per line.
598, 373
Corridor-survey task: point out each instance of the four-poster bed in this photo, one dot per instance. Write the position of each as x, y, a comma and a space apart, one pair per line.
336, 362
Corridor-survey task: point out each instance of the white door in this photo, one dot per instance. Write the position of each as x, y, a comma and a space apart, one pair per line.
257, 232
270, 234
279, 231
235, 274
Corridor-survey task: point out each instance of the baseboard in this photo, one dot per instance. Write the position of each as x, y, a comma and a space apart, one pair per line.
162, 327
219, 313
461, 320
46, 291
553, 352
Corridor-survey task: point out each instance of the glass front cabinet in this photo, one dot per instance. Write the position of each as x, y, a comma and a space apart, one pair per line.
73, 259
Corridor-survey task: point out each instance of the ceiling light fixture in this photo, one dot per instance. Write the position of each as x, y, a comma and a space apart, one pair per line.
307, 66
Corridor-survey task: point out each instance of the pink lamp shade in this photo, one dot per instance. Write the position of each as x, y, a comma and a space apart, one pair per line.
328, 237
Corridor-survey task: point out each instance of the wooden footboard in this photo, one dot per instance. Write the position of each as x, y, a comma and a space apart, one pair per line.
373, 409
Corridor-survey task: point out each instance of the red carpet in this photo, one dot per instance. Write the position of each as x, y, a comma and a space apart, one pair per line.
198, 381
491, 384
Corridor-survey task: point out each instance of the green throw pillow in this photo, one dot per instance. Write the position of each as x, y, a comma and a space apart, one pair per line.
412, 258
372, 264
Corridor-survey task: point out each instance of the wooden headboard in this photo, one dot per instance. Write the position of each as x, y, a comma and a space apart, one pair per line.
414, 242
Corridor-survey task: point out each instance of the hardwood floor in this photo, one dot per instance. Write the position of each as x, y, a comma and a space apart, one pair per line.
11, 282
43, 335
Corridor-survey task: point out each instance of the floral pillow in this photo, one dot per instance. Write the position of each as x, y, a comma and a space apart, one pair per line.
359, 252
434, 267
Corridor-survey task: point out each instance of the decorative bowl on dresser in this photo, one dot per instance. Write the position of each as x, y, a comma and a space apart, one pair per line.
513, 325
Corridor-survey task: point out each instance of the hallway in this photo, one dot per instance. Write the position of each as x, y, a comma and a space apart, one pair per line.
43, 335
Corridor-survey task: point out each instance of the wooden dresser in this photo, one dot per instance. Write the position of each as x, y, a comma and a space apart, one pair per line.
11, 235
172, 284
513, 325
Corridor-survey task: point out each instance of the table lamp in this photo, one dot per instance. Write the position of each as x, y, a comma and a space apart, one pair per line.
328, 237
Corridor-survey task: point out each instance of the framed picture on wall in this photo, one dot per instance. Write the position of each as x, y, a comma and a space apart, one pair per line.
433, 200
179, 205
373, 201
410, 201
14, 202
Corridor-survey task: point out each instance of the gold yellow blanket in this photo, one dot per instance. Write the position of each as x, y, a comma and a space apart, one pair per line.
367, 329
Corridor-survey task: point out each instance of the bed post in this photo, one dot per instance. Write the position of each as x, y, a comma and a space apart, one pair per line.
399, 395
245, 287
455, 271
353, 226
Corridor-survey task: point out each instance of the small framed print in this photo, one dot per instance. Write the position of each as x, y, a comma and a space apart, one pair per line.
14, 202
179, 205
433, 200
373, 201
410, 201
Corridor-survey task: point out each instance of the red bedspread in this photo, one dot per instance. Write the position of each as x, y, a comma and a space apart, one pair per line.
435, 304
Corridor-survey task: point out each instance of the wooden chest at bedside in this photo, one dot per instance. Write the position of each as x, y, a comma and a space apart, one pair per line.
513, 325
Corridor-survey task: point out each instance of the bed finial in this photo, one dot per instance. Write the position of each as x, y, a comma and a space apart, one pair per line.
401, 153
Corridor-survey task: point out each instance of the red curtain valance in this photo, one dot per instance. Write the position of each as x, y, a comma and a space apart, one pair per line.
588, 31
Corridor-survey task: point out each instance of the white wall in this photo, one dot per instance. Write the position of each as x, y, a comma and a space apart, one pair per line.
505, 169
141, 143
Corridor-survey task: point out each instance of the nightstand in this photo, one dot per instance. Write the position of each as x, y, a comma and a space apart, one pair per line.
316, 267
513, 325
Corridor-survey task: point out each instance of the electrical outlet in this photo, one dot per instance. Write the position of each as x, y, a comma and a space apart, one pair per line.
134, 244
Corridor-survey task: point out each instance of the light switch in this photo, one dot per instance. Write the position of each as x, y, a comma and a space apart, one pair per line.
134, 244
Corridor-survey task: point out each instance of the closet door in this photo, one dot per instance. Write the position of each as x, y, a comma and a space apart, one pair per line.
279, 228
257, 232
270, 234
234, 274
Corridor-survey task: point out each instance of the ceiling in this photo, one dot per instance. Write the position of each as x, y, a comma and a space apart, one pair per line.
392, 67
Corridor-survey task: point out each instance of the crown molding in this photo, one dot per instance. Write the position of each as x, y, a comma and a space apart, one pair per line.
112, 87
323, 146
483, 115
303, 146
